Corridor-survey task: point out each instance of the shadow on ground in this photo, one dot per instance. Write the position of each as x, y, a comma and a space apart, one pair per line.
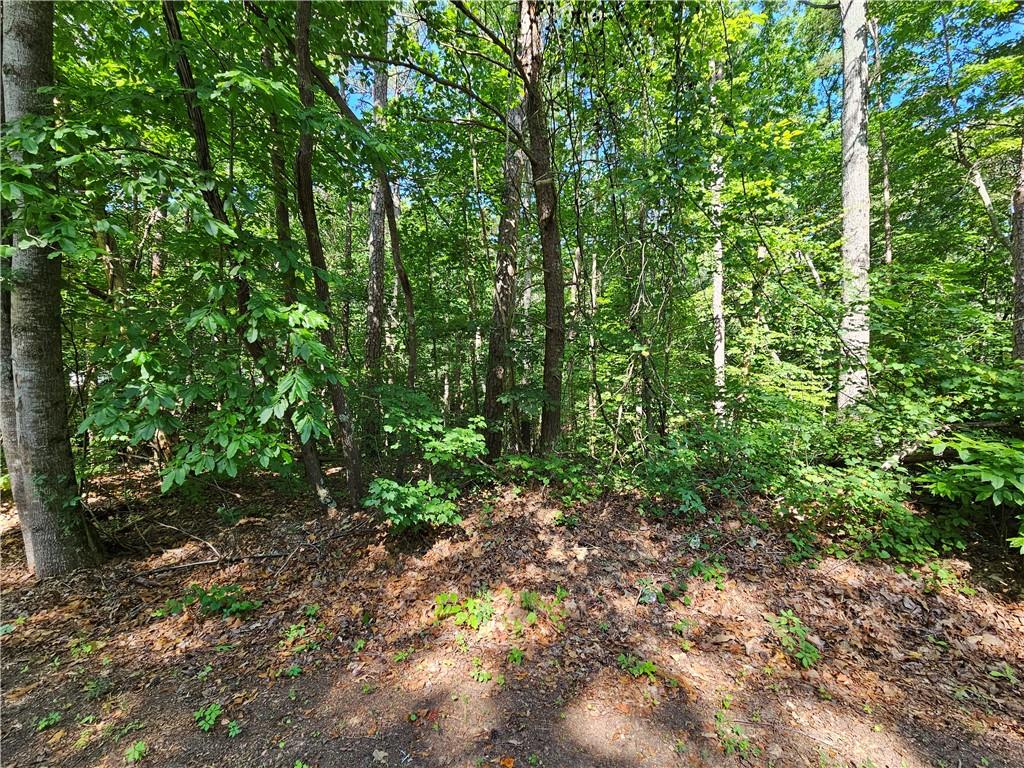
631, 652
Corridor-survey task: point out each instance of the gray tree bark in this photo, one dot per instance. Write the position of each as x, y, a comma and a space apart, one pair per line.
883, 143
499, 362
855, 331
717, 269
531, 62
56, 533
1017, 247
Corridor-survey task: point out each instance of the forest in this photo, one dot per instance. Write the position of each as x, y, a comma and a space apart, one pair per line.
512, 383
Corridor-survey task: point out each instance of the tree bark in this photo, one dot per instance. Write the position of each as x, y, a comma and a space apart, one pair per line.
375, 281
717, 268
883, 143
499, 362
57, 536
1017, 240
307, 211
531, 62
855, 333
308, 453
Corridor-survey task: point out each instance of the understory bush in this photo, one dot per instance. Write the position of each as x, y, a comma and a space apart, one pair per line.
861, 512
416, 435
412, 505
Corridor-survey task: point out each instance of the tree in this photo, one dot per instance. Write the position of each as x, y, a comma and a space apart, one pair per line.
375, 282
531, 63
855, 331
1017, 239
717, 269
56, 534
307, 210
499, 359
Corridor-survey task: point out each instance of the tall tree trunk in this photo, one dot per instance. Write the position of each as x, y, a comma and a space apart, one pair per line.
57, 536
531, 62
1018, 259
307, 211
883, 143
375, 282
308, 453
402, 278
499, 362
347, 265
855, 332
717, 267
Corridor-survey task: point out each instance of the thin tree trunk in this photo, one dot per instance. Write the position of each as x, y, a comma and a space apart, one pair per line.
978, 182
402, 277
883, 144
57, 536
307, 211
346, 263
717, 268
308, 453
375, 282
1018, 259
531, 61
499, 362
855, 332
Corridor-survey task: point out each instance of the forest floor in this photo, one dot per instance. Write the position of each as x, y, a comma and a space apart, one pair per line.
346, 663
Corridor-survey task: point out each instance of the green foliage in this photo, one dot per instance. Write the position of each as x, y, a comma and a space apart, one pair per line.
637, 666
227, 600
862, 511
792, 636
47, 720
989, 471
206, 718
570, 481
408, 506
478, 673
516, 656
710, 570
135, 752
1003, 671
471, 612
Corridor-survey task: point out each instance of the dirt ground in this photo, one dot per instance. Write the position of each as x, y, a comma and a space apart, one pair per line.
600, 637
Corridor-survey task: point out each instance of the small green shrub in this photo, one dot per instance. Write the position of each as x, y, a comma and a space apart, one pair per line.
135, 752
861, 511
478, 672
48, 720
637, 667
226, 600
471, 612
206, 718
792, 636
408, 506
